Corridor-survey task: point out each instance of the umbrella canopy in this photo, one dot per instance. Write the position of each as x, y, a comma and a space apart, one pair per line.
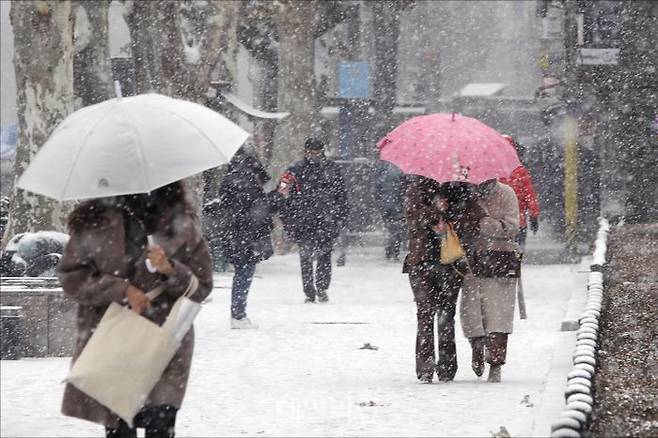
449, 147
130, 145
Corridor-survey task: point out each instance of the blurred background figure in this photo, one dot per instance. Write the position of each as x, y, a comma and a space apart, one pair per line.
521, 181
389, 193
314, 213
244, 218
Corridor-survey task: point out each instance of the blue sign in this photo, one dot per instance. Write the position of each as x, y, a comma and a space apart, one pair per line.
8, 139
353, 80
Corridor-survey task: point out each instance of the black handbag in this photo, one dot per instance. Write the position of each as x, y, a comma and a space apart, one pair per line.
497, 264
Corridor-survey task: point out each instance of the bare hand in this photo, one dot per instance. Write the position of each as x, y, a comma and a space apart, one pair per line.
159, 260
137, 299
284, 189
285, 183
439, 227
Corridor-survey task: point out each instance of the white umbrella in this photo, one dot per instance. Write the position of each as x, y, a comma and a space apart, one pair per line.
130, 145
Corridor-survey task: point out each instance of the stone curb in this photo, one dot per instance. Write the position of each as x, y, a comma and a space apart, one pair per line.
578, 396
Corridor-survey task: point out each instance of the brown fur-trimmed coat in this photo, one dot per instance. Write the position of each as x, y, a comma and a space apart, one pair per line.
93, 272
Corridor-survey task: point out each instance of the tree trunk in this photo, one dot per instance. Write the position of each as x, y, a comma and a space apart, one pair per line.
269, 95
207, 43
637, 103
43, 60
386, 23
176, 48
92, 70
296, 92
148, 40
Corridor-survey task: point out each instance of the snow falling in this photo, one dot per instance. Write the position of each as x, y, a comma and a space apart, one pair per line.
384, 218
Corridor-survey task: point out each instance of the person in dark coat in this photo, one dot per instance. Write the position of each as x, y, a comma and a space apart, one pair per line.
244, 218
429, 207
104, 261
389, 193
313, 214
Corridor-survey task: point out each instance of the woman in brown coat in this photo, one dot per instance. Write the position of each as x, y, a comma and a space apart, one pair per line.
429, 205
488, 294
105, 261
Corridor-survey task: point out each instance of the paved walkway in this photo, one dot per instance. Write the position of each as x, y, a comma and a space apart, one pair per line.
303, 373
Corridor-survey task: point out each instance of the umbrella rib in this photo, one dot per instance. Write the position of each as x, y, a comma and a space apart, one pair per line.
214, 147
139, 149
78, 152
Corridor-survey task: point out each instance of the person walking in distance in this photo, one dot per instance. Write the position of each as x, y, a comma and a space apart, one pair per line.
521, 182
244, 217
389, 194
313, 213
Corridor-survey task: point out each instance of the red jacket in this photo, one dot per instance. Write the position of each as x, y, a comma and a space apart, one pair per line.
521, 182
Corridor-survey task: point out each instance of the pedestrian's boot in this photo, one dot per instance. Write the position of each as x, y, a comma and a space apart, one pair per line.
496, 355
446, 367
310, 293
494, 374
477, 357
322, 296
425, 369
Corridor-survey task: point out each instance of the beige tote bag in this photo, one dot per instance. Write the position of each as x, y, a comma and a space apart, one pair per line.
125, 357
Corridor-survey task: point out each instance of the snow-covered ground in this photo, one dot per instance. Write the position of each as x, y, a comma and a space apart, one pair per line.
302, 373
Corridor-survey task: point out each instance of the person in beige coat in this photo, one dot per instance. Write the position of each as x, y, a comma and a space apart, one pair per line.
488, 292
105, 261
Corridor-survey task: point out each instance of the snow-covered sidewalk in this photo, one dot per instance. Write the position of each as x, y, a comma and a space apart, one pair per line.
303, 373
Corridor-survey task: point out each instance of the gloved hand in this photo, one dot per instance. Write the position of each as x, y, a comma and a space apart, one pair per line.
534, 224
286, 182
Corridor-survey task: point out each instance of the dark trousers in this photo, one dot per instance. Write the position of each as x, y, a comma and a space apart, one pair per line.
341, 247
158, 422
318, 278
244, 274
521, 237
396, 237
435, 289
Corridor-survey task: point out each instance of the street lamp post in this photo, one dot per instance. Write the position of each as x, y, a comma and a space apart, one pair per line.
570, 97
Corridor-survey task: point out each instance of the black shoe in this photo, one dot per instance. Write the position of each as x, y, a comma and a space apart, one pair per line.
322, 296
494, 374
446, 373
426, 378
309, 300
477, 355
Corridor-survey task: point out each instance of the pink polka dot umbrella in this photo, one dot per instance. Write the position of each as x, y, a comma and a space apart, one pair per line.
449, 147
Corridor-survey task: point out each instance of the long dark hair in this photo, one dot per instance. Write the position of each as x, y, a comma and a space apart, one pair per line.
90, 214
150, 208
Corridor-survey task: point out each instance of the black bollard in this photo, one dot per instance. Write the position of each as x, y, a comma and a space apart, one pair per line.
11, 330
